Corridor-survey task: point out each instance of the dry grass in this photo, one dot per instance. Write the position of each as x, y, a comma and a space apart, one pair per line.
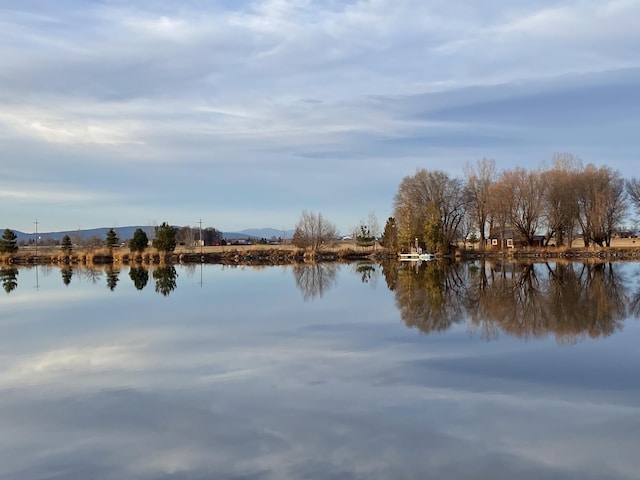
341, 249
234, 248
579, 244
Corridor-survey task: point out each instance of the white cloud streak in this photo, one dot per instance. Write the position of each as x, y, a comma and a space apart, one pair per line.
268, 83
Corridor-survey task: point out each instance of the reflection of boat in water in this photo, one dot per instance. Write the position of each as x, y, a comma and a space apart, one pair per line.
414, 257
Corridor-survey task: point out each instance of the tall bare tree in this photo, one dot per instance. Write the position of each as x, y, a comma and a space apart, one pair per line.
313, 231
499, 211
524, 192
426, 200
633, 191
186, 236
374, 227
602, 202
479, 180
560, 201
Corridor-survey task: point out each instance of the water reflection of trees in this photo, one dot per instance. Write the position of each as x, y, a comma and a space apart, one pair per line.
567, 299
67, 274
368, 272
315, 279
9, 278
139, 276
431, 297
634, 303
165, 278
92, 274
113, 277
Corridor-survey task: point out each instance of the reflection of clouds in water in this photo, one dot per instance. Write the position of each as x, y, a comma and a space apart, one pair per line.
22, 300
300, 408
294, 394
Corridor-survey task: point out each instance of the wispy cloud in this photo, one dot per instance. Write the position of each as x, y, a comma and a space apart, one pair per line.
273, 84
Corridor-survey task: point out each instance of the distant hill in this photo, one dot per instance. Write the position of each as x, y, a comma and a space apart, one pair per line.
125, 233
267, 233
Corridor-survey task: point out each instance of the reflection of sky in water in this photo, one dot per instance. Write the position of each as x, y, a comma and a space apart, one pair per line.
241, 378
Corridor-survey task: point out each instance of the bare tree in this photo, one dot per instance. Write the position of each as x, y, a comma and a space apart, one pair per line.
633, 191
560, 201
313, 231
479, 181
524, 193
374, 227
367, 232
185, 235
430, 206
616, 208
602, 202
499, 209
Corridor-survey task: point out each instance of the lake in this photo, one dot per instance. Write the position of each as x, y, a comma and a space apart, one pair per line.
326, 371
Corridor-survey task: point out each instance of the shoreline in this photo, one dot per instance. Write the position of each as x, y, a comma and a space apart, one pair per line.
287, 254
227, 255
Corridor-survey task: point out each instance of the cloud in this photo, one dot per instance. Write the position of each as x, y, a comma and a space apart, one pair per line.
45, 194
278, 89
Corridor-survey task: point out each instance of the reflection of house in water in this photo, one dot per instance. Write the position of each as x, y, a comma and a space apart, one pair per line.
501, 239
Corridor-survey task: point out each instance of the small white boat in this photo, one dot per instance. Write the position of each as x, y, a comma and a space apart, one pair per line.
414, 257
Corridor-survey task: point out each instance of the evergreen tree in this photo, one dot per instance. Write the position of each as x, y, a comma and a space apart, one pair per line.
390, 235
65, 245
112, 239
165, 238
139, 242
9, 242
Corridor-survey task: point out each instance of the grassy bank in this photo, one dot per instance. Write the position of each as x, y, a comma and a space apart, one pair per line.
285, 254
258, 254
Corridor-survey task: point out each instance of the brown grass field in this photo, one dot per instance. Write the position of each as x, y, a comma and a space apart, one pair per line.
53, 254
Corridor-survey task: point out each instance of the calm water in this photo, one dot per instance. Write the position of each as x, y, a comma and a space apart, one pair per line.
321, 372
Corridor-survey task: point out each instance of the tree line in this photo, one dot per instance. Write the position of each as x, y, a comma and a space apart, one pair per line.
437, 211
560, 202
165, 239
569, 300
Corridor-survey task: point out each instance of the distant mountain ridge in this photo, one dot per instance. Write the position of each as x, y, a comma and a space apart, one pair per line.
125, 233
267, 233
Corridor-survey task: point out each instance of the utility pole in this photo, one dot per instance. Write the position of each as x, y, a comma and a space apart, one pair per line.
201, 243
36, 222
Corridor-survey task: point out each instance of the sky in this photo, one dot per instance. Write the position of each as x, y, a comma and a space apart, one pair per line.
245, 113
